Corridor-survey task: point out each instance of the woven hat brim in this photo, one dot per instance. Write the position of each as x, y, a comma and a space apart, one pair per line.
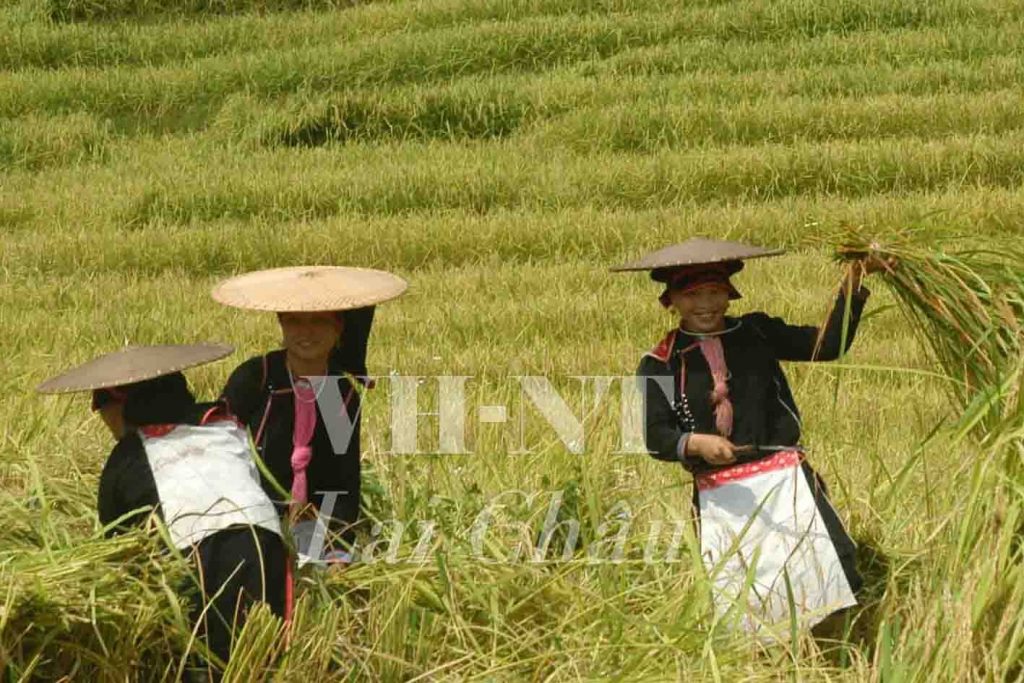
133, 364
309, 289
698, 252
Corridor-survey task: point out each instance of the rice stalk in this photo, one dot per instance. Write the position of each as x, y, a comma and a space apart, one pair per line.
965, 305
104, 608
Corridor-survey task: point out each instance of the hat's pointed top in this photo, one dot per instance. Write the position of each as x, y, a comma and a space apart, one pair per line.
309, 288
698, 251
133, 364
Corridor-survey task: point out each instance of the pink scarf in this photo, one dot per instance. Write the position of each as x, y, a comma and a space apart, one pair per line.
714, 354
302, 435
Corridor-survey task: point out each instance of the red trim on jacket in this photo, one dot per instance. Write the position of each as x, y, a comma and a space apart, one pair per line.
156, 431
219, 414
664, 349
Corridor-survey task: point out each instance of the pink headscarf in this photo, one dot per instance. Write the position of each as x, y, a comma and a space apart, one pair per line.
302, 436
714, 354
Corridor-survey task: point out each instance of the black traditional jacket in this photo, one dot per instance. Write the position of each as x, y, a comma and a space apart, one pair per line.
260, 393
765, 414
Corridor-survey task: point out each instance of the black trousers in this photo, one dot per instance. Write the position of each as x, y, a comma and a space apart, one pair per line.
235, 568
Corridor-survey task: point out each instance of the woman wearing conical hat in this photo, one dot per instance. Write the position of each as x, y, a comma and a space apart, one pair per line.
717, 401
190, 464
307, 430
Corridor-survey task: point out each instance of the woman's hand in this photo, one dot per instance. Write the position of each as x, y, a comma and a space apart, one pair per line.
714, 449
335, 568
877, 264
337, 560
872, 263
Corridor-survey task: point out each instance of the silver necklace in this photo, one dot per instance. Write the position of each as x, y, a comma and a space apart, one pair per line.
316, 389
719, 333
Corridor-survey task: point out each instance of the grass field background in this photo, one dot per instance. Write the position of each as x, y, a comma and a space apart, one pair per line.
501, 156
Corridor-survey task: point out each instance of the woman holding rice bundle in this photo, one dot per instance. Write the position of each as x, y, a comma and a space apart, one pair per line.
325, 314
717, 401
190, 464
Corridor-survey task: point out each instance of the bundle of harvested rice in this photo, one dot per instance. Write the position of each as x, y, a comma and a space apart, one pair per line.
966, 305
102, 609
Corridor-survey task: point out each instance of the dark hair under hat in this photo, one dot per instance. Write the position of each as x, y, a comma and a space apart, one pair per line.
162, 399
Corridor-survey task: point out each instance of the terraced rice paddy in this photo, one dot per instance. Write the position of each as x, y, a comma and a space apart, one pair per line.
501, 156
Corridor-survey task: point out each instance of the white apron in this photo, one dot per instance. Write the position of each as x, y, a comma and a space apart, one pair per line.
207, 481
760, 525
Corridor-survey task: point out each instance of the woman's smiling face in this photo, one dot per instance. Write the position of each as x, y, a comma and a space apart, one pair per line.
701, 309
310, 336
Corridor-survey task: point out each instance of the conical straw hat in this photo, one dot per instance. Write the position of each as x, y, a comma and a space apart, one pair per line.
133, 364
697, 251
309, 288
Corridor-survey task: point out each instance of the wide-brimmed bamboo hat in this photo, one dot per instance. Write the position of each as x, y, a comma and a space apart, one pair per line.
133, 364
697, 252
309, 289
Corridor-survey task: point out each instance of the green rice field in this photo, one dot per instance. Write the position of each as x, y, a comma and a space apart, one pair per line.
501, 156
